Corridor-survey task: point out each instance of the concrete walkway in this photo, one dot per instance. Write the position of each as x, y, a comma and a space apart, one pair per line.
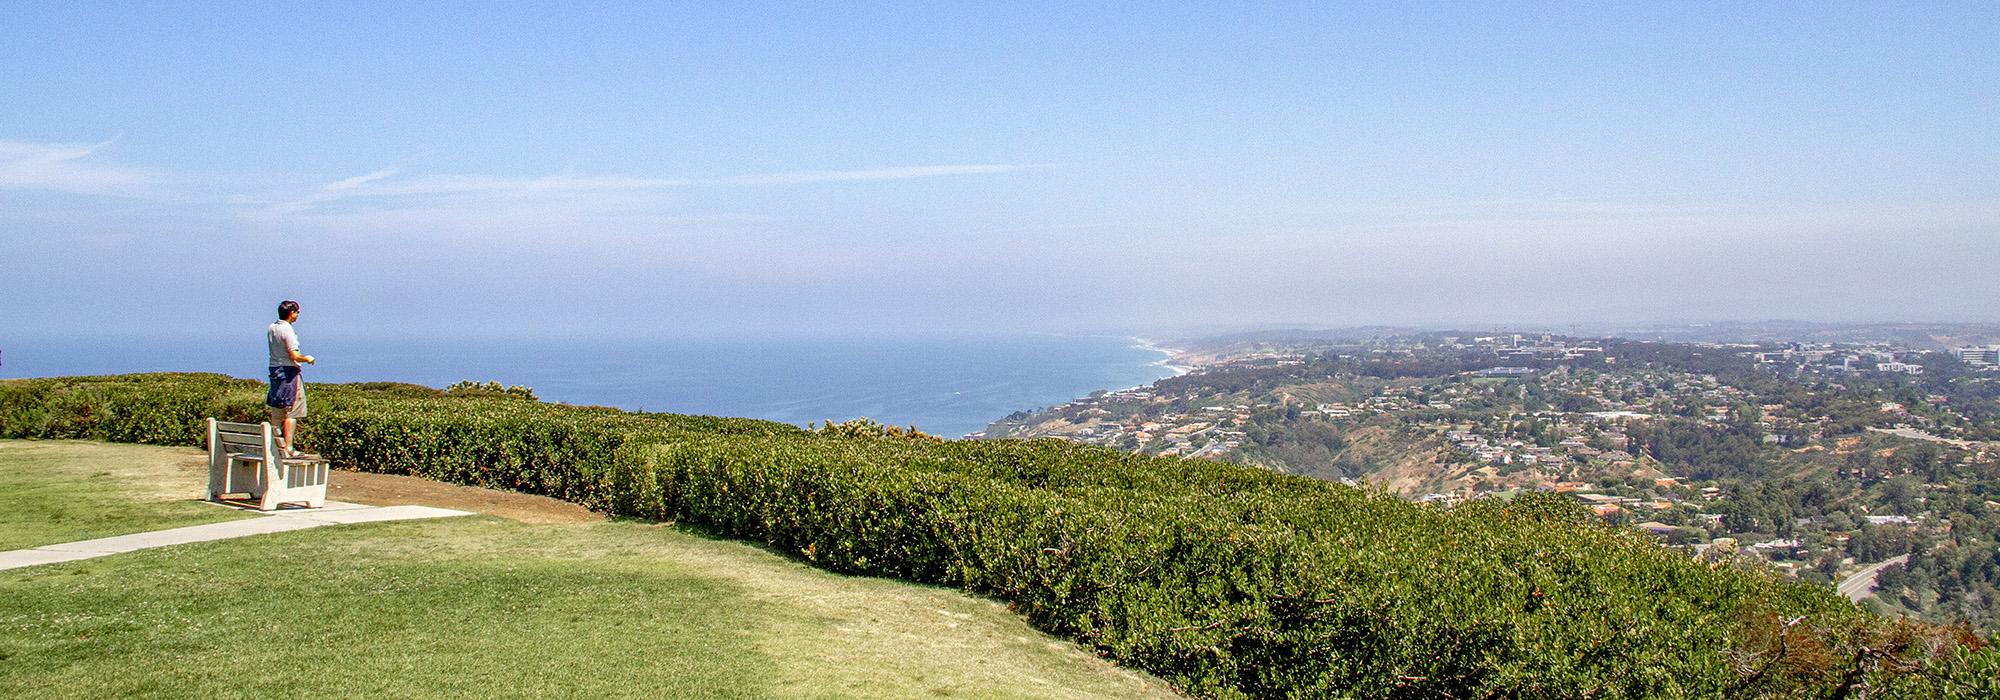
335, 513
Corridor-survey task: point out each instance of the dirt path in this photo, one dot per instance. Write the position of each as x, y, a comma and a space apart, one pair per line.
392, 490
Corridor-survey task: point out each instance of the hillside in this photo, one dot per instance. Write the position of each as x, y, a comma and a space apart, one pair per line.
1225, 580
1823, 459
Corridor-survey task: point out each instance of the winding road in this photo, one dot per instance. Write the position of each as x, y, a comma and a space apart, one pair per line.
1861, 584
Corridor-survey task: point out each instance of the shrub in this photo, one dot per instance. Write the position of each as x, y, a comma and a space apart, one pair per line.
862, 427
1229, 581
472, 388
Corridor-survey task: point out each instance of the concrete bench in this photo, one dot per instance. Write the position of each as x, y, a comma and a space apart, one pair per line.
245, 458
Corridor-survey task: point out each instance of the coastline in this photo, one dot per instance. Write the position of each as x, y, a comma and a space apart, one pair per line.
1172, 360
1169, 362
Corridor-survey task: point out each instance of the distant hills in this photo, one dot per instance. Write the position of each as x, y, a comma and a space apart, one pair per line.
1917, 335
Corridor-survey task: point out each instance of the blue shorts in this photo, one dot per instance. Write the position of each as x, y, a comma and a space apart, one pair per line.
284, 387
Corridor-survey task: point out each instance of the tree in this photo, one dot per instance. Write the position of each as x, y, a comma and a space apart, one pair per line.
1903, 495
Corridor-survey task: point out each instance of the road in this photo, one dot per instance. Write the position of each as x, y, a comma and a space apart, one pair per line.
1914, 434
1862, 583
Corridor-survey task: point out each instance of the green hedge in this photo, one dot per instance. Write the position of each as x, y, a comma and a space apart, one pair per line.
1228, 581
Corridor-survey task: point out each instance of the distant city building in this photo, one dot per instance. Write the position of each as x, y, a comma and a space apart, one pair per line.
1902, 367
1988, 356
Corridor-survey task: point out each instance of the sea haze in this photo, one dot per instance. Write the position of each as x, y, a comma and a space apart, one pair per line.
944, 385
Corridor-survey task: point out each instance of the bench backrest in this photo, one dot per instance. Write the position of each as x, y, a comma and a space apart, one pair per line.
235, 438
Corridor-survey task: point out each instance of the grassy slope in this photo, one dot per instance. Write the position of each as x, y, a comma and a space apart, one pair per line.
52, 492
483, 606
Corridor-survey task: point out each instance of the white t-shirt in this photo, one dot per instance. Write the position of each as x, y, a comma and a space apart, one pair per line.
283, 341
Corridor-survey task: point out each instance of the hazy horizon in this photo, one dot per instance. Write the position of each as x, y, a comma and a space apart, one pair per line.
765, 169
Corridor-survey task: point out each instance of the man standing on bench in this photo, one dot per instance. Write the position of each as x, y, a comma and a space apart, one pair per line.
287, 398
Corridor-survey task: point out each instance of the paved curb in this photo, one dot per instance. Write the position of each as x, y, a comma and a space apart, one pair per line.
335, 513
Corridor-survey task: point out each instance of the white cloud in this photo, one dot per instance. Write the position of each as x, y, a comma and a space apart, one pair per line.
359, 180
518, 187
867, 174
382, 189
64, 167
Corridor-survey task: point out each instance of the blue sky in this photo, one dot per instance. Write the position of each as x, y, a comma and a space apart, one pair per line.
737, 167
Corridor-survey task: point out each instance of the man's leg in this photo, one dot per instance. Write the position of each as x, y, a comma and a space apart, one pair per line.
292, 415
281, 419
277, 420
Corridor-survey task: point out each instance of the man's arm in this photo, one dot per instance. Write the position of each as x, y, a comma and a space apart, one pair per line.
292, 348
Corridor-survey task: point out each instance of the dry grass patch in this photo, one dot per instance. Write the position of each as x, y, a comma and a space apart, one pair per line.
63, 491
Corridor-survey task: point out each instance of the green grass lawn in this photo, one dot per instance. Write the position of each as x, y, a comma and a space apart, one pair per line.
63, 491
481, 606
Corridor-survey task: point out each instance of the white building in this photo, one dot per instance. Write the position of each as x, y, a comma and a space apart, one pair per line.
1988, 356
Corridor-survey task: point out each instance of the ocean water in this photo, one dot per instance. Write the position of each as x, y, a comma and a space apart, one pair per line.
944, 385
